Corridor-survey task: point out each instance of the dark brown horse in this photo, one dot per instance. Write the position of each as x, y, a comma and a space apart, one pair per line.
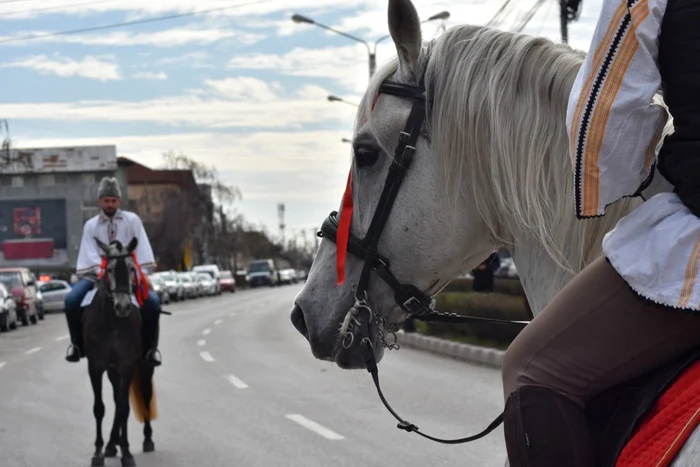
113, 343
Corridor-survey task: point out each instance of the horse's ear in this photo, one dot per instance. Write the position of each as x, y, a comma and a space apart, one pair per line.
404, 27
132, 245
102, 246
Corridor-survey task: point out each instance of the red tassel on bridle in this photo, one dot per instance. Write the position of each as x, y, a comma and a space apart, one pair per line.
343, 234
141, 282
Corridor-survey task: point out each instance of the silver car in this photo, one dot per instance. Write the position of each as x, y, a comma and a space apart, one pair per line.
54, 293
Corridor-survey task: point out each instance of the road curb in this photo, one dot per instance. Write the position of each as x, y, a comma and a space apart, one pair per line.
457, 350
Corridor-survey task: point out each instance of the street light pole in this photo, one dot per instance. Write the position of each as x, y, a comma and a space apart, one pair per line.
371, 52
333, 98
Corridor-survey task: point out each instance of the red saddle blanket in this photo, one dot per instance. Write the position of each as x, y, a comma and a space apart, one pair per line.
668, 424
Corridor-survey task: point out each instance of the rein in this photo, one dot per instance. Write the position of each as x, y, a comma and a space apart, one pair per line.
407, 296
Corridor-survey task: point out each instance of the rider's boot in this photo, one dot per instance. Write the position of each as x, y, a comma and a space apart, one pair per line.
545, 429
151, 328
75, 328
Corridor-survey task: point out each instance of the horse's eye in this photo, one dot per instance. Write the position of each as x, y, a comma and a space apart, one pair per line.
366, 156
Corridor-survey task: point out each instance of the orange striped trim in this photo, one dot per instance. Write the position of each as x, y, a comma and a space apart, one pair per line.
599, 120
598, 58
651, 150
639, 12
691, 272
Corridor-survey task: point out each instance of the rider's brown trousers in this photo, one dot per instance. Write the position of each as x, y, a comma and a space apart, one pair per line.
595, 334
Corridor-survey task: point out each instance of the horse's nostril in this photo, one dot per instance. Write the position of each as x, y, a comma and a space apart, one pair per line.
298, 320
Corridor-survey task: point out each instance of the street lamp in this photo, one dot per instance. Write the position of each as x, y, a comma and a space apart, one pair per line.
333, 98
371, 52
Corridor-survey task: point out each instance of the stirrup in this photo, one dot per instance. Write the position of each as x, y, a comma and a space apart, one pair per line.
153, 356
73, 354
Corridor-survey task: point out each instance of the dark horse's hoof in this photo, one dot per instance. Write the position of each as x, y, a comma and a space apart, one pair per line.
110, 451
97, 461
128, 462
148, 446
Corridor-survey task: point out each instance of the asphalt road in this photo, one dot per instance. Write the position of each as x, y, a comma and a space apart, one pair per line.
239, 387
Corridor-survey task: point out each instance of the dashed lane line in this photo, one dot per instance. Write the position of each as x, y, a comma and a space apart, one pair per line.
313, 426
62, 338
2, 364
232, 314
218, 321
236, 381
206, 356
201, 342
31, 351
206, 331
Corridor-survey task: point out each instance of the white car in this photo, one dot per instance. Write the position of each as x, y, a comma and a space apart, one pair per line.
209, 286
54, 293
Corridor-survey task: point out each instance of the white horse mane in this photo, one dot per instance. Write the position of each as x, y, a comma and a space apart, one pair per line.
498, 127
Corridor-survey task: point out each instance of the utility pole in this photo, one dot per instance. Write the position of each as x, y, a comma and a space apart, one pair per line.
280, 216
564, 19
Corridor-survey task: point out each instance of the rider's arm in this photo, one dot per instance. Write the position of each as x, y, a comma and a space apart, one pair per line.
89, 258
613, 126
144, 252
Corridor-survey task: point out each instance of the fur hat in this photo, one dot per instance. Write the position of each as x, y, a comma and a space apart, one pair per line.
109, 186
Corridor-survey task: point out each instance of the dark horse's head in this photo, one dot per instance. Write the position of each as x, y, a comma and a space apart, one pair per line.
118, 274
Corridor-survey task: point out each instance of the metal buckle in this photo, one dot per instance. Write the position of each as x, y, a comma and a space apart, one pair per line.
410, 301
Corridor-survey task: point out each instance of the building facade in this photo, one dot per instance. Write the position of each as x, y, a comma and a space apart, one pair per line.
46, 195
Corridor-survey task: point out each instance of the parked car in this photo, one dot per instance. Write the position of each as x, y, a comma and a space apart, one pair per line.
54, 293
191, 288
208, 285
40, 312
227, 282
8, 310
262, 272
160, 288
288, 276
213, 271
173, 282
23, 289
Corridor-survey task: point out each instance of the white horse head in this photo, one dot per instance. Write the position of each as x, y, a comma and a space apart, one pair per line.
491, 168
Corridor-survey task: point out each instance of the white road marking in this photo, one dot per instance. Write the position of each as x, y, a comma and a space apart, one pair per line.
206, 356
218, 321
232, 315
313, 426
206, 331
236, 382
34, 350
201, 342
62, 338
2, 364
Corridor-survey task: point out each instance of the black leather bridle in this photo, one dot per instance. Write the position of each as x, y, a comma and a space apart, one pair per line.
407, 296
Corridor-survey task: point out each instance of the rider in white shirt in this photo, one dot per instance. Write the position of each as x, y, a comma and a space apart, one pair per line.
110, 225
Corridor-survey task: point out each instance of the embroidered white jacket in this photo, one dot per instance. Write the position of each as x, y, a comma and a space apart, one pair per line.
614, 129
123, 226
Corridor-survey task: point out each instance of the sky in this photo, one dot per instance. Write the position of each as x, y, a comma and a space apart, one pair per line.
243, 89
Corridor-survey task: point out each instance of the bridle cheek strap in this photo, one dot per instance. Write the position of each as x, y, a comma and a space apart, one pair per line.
343, 234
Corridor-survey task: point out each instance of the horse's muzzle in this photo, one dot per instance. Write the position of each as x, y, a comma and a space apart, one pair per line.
122, 305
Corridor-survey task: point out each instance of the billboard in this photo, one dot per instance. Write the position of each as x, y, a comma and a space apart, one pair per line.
33, 233
66, 159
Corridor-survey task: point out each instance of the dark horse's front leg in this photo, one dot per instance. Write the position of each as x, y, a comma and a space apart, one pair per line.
98, 410
121, 379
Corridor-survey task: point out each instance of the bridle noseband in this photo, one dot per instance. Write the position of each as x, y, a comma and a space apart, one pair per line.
407, 296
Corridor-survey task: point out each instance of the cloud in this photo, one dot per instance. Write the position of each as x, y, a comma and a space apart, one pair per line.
172, 37
149, 75
90, 67
242, 102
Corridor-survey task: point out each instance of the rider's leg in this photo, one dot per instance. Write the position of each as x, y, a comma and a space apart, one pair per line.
595, 334
74, 316
151, 327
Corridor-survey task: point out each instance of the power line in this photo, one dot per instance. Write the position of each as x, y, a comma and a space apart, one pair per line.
128, 23
51, 8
